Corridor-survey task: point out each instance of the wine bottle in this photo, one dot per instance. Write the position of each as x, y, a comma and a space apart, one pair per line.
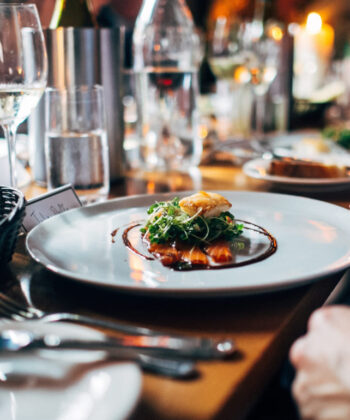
76, 13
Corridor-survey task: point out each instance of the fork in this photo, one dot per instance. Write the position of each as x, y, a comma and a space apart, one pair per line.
142, 338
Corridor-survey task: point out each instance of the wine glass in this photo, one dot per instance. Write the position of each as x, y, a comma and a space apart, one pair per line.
23, 70
260, 43
245, 53
226, 57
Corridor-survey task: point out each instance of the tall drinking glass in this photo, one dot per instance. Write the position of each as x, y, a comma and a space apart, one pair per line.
76, 145
23, 70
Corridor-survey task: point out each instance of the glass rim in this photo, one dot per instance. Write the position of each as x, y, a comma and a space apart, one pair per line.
76, 94
74, 89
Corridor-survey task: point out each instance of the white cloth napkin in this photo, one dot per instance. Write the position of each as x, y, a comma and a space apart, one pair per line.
65, 385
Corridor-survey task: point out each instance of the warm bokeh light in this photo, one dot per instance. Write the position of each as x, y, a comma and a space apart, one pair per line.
314, 23
151, 187
242, 75
276, 33
313, 49
203, 131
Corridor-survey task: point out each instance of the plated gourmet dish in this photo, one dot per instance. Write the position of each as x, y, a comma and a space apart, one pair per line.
197, 232
308, 157
302, 168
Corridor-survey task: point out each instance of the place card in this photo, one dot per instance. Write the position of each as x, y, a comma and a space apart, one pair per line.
47, 205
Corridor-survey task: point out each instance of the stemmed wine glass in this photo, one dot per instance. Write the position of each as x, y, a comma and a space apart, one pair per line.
226, 57
245, 53
262, 43
23, 70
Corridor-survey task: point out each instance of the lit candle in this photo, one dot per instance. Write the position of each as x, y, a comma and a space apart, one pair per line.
313, 48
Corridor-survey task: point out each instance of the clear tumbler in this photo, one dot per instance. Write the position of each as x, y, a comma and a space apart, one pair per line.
76, 146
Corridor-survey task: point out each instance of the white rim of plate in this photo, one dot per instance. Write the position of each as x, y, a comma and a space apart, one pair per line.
188, 292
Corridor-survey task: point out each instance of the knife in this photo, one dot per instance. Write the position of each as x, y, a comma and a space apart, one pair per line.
25, 341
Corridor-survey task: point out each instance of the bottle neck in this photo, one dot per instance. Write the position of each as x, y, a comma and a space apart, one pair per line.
259, 12
73, 13
264, 11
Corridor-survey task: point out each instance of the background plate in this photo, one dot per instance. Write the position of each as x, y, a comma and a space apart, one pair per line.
312, 237
258, 168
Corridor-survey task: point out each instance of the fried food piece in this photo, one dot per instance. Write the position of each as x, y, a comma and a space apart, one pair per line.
205, 204
304, 169
219, 251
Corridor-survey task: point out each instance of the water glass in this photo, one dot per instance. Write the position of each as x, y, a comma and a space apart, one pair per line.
76, 147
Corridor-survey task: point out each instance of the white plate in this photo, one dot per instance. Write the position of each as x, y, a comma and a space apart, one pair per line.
258, 168
312, 236
60, 385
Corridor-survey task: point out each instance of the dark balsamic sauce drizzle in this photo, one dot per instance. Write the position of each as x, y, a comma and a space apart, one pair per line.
271, 249
114, 234
256, 228
115, 231
129, 245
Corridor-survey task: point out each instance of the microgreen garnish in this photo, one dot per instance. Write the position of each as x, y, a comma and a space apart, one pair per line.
167, 222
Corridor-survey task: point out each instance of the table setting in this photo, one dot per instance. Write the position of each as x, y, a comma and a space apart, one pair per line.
72, 383
162, 248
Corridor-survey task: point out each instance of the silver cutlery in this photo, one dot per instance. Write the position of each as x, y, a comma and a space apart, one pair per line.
12, 340
20, 341
137, 337
162, 366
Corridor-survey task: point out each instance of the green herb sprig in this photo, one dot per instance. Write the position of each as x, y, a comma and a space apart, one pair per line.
167, 222
340, 135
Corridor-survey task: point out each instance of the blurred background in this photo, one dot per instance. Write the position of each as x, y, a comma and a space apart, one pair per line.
310, 87
336, 14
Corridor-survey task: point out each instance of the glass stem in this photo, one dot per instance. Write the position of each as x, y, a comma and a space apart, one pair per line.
10, 135
260, 116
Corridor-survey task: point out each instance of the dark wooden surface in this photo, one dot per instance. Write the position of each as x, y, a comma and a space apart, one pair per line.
262, 326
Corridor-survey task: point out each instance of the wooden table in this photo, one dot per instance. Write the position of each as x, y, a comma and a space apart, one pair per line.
262, 326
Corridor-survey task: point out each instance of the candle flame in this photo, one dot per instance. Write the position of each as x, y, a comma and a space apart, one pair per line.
276, 33
314, 23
